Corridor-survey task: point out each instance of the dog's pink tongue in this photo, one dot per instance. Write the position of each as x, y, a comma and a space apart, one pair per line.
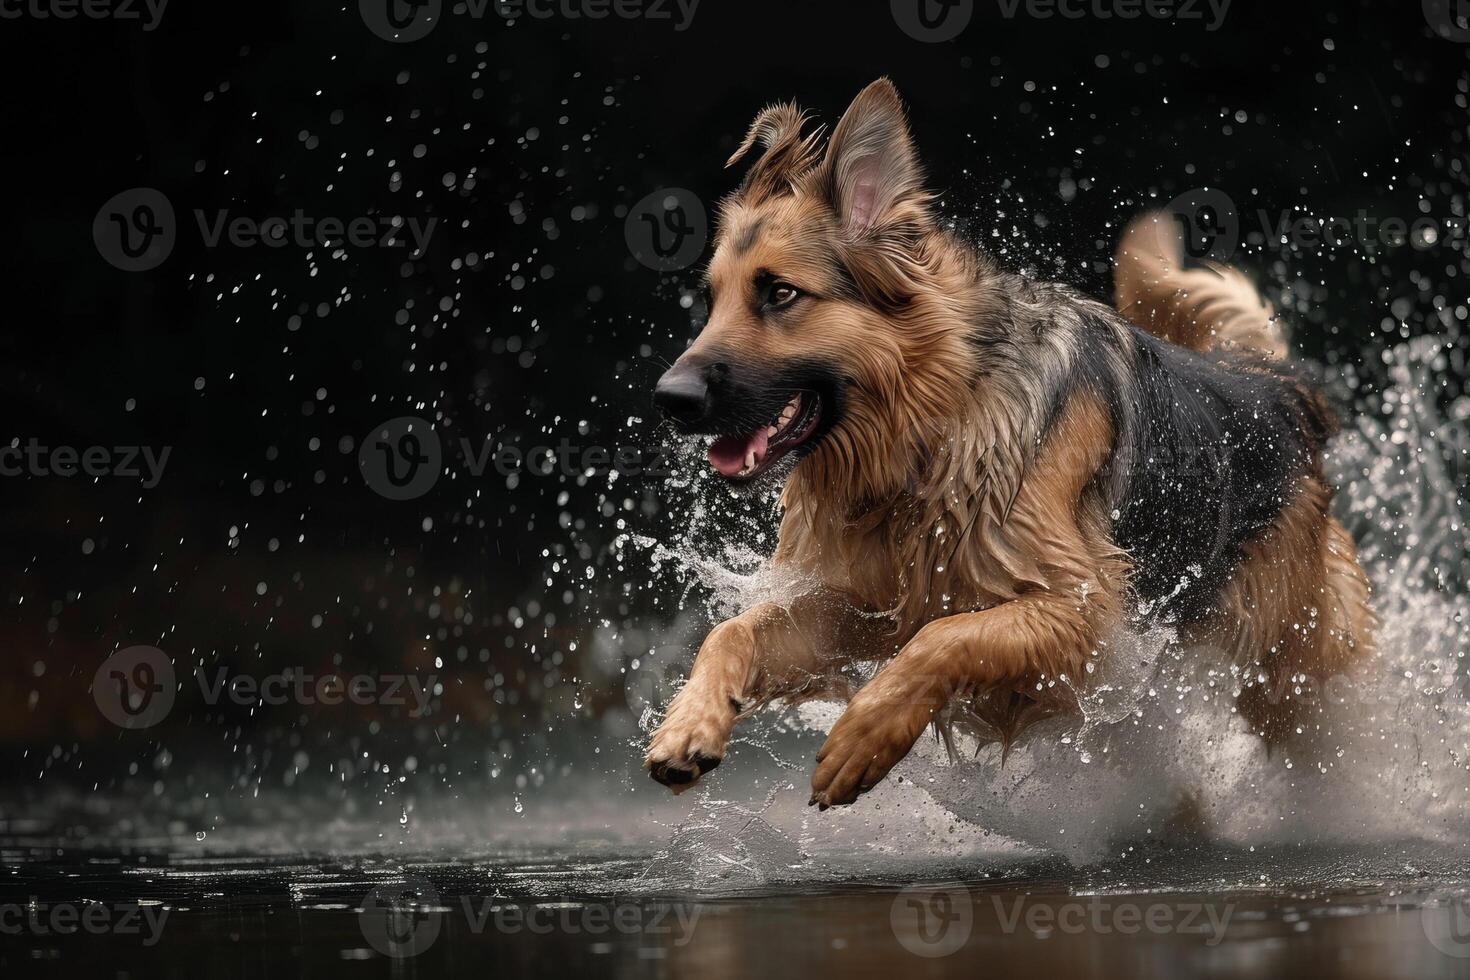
727, 454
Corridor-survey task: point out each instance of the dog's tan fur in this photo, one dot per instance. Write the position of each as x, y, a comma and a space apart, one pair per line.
959, 538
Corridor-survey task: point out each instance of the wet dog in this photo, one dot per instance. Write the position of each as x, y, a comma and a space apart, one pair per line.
986, 477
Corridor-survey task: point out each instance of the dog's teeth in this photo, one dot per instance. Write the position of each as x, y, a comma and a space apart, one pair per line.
772, 430
750, 460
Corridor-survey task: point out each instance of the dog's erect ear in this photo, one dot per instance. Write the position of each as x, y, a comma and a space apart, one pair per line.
788, 155
871, 168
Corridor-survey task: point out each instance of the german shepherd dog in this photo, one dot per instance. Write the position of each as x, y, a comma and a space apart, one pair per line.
987, 477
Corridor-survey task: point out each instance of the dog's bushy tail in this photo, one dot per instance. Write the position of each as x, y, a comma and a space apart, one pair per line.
1206, 308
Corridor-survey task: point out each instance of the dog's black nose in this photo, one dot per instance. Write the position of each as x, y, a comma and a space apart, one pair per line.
682, 394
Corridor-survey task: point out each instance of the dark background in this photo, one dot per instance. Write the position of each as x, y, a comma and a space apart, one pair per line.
264, 369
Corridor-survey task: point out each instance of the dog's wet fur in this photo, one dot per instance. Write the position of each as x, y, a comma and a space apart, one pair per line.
987, 477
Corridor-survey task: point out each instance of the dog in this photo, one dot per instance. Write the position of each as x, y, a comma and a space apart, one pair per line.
987, 477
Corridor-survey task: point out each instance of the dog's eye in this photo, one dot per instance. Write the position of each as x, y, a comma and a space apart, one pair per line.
781, 294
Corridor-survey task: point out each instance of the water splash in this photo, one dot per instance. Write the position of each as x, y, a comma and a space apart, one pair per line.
726, 844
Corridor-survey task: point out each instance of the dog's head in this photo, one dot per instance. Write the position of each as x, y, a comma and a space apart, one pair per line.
815, 258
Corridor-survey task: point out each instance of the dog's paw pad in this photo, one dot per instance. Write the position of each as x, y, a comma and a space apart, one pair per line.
681, 774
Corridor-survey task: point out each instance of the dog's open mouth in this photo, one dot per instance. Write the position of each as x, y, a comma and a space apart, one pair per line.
743, 457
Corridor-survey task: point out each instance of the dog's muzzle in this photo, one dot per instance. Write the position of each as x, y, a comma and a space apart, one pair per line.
682, 394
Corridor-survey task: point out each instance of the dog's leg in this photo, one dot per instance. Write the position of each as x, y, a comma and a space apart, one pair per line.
1016, 644
1040, 634
1296, 608
769, 651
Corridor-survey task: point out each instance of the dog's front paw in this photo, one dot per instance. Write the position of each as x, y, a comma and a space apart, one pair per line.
690, 742
873, 734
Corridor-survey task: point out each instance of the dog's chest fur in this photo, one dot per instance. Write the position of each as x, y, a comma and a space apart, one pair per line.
983, 524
